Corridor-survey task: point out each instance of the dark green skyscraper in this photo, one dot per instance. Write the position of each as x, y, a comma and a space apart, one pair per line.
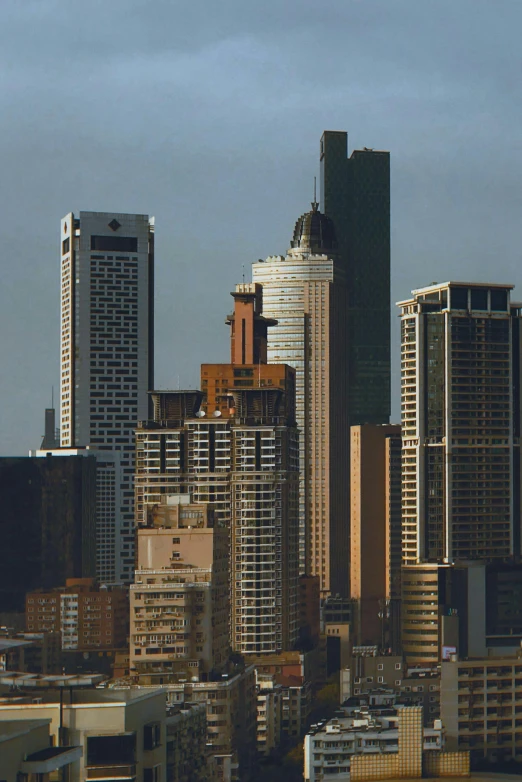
355, 194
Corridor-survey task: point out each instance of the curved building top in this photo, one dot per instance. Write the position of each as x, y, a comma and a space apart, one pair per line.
314, 232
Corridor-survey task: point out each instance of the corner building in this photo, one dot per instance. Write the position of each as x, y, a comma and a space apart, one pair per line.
236, 446
460, 370
107, 332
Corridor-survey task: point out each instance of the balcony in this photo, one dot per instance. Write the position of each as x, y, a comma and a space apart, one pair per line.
125, 773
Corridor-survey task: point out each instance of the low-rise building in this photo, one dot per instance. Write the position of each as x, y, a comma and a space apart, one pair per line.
87, 616
481, 707
121, 734
26, 752
30, 652
363, 746
230, 702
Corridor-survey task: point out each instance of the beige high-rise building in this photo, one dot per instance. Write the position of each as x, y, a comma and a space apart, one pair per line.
375, 519
305, 292
235, 446
179, 603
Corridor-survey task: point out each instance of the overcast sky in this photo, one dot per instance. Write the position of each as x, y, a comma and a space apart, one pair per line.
208, 115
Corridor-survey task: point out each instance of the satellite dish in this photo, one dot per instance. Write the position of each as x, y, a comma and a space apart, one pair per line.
217, 413
200, 414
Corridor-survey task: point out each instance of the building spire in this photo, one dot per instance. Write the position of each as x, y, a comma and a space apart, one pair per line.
315, 205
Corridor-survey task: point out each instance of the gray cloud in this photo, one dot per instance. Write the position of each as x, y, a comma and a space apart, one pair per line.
208, 116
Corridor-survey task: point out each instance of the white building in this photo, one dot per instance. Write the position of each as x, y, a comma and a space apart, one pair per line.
107, 335
329, 747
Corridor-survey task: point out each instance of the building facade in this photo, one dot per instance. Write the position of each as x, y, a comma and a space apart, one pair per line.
109, 478
460, 366
375, 539
48, 524
88, 618
480, 706
119, 734
305, 293
236, 446
179, 603
355, 195
107, 332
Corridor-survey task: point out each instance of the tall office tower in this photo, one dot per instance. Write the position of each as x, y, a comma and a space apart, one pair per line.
460, 423
375, 518
179, 603
107, 336
305, 292
355, 194
238, 450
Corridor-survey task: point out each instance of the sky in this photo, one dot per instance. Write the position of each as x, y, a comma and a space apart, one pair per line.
208, 116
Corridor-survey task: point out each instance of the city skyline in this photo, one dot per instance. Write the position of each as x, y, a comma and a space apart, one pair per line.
225, 184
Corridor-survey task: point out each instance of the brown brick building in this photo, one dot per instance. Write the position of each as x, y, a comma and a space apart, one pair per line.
86, 616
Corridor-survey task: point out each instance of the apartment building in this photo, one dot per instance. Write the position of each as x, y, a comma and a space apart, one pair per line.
120, 734
461, 422
87, 616
397, 739
230, 701
179, 602
234, 445
186, 740
481, 707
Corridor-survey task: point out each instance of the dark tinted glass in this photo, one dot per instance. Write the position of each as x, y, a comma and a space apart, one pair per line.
459, 298
498, 300
111, 750
66, 246
124, 244
479, 299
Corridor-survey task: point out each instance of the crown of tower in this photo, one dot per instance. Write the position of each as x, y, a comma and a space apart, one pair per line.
314, 232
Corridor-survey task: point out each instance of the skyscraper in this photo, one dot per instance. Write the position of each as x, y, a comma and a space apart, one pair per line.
461, 418
305, 293
235, 445
355, 194
107, 326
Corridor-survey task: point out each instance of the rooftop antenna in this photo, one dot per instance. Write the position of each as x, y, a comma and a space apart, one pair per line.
243, 274
314, 202
52, 397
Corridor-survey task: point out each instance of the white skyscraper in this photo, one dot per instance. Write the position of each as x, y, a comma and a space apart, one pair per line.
107, 333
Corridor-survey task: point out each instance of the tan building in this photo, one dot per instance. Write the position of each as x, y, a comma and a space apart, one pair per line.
235, 446
27, 754
87, 616
305, 292
230, 703
363, 747
179, 602
375, 519
121, 734
481, 707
